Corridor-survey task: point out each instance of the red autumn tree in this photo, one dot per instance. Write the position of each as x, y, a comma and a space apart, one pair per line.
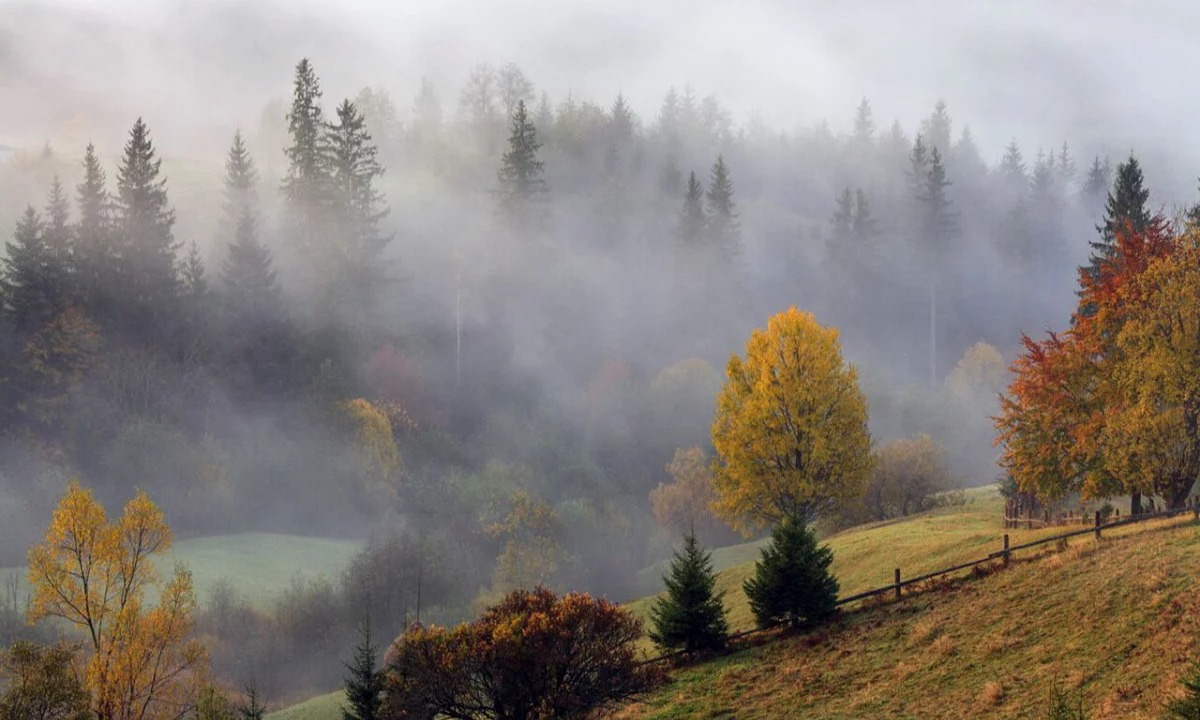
533, 656
1054, 416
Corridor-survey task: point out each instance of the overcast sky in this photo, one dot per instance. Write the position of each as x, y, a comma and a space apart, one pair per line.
1108, 76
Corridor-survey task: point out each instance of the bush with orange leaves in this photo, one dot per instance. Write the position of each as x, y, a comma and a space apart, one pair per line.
533, 656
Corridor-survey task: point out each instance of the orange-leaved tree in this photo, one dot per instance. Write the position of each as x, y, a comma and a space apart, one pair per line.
1067, 389
791, 426
94, 574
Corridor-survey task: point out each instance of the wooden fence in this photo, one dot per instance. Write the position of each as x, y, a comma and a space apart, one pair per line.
896, 587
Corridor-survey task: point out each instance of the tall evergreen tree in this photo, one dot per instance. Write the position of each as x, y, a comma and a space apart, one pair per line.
28, 292
936, 129
622, 121
241, 186
1126, 203
841, 225
1099, 176
691, 616
365, 682
59, 238
670, 178
148, 274
522, 185
939, 222
724, 230
95, 248
360, 206
792, 583
306, 185
250, 288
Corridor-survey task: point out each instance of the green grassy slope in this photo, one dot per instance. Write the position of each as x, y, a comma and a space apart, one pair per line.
865, 557
322, 707
1119, 618
258, 565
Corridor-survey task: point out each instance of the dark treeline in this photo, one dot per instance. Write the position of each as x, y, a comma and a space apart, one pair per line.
499, 342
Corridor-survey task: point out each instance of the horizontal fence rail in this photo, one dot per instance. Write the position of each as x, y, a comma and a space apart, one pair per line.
898, 584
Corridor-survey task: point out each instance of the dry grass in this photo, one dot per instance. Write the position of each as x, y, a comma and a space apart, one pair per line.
1117, 618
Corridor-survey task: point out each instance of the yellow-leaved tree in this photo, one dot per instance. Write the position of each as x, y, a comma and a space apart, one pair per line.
791, 426
94, 574
1152, 436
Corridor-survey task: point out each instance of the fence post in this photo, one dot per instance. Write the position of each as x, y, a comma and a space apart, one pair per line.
1005, 549
897, 583
1097, 524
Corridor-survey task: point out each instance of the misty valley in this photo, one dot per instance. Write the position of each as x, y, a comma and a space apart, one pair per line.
473, 398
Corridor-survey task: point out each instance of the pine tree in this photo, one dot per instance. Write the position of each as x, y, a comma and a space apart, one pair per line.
149, 281
916, 176
1188, 706
622, 121
940, 223
306, 185
792, 583
1126, 203
724, 231
1099, 175
29, 299
241, 186
95, 251
1013, 173
58, 236
522, 186
691, 615
354, 171
364, 683
936, 128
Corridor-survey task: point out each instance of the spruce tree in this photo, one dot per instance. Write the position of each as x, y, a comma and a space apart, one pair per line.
149, 281
354, 172
1099, 175
248, 282
792, 583
1126, 203
940, 223
522, 186
306, 184
691, 615
58, 236
364, 683
936, 129
622, 121
841, 226
724, 231
95, 250
29, 296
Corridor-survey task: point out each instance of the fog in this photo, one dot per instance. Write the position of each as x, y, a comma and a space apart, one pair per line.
556, 364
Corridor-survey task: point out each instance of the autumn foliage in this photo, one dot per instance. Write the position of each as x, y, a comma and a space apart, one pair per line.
94, 574
1111, 405
533, 656
791, 425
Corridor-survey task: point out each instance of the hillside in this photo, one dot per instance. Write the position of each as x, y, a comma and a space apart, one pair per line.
257, 565
865, 557
1119, 618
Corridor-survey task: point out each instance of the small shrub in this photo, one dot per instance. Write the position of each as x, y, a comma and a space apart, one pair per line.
1065, 705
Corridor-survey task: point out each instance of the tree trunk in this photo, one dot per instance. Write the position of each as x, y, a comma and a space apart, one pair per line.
1135, 503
